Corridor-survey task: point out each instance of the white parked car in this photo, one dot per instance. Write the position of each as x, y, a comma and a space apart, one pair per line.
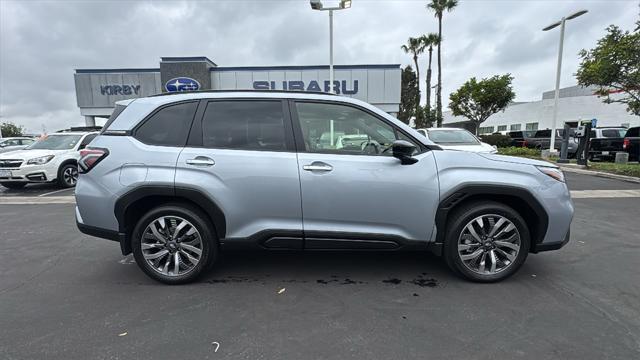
52, 158
15, 143
457, 139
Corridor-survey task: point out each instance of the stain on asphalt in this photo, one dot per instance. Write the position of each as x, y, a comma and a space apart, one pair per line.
393, 281
336, 280
425, 282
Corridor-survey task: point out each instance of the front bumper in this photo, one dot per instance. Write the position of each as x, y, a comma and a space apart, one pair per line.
548, 246
29, 173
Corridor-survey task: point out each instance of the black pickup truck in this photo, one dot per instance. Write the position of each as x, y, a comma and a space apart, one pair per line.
631, 143
606, 142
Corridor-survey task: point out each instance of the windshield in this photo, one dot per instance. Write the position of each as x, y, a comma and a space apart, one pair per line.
453, 137
56, 142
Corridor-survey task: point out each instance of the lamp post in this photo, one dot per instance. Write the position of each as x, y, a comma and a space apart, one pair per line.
317, 5
557, 92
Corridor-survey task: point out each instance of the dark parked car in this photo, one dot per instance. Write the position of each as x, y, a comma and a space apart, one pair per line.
631, 143
606, 142
518, 138
542, 139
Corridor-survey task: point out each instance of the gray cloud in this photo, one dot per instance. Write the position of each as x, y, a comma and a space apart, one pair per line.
43, 42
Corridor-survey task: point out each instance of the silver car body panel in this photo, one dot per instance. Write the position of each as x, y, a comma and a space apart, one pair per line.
263, 190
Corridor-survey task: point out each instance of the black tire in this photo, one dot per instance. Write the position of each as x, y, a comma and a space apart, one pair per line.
68, 175
14, 185
460, 217
202, 225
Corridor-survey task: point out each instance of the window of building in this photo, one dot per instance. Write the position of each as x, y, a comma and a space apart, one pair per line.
169, 126
244, 125
531, 126
485, 130
333, 128
516, 127
502, 127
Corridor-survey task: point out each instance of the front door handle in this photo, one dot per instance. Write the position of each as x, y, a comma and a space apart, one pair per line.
201, 161
318, 166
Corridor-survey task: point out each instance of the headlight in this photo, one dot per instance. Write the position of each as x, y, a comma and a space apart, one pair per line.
553, 172
40, 160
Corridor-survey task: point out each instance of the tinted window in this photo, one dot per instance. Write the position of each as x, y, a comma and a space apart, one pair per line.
333, 128
633, 132
169, 126
87, 139
543, 133
244, 125
613, 133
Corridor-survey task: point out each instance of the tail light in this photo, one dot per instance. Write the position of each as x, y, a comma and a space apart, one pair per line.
626, 143
90, 157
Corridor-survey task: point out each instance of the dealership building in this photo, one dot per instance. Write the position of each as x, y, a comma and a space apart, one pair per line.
97, 90
575, 103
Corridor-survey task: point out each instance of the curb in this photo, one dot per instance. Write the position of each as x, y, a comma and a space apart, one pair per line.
574, 169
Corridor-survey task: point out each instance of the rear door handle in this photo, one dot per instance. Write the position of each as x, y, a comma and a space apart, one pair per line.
318, 166
201, 161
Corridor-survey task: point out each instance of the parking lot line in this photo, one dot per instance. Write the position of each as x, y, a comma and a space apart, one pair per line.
55, 192
590, 194
36, 200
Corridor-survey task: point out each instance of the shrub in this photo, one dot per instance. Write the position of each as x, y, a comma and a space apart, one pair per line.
498, 140
519, 151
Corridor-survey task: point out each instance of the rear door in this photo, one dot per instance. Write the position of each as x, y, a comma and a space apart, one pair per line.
241, 154
354, 193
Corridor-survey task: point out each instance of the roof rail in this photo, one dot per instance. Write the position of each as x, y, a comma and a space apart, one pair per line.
80, 128
242, 91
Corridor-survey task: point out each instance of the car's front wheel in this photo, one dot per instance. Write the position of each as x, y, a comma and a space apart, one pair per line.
486, 241
68, 175
174, 243
14, 185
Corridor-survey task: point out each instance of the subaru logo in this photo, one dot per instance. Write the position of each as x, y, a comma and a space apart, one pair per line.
182, 84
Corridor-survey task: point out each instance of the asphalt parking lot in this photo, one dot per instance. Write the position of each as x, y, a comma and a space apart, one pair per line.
64, 295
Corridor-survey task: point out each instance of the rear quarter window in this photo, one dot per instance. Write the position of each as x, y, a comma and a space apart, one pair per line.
168, 126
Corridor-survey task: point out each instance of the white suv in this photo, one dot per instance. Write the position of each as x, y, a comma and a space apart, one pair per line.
52, 158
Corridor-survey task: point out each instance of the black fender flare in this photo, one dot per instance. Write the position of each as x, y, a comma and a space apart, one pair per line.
466, 192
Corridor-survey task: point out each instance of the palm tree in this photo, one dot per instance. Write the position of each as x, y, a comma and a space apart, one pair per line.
429, 40
415, 46
439, 7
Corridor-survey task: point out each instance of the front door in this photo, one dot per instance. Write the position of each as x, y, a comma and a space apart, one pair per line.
354, 193
241, 155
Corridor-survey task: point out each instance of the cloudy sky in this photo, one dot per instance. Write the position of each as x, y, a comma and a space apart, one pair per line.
43, 42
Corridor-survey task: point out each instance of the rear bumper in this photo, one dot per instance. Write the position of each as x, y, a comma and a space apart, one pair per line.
105, 234
548, 246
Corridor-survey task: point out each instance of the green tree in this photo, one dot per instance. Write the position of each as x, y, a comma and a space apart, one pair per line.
9, 129
429, 41
415, 47
439, 7
477, 100
614, 67
408, 94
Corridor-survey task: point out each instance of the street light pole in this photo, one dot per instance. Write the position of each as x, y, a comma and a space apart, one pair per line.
317, 5
552, 142
331, 88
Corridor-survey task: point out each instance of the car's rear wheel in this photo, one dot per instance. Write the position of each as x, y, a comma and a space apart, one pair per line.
14, 185
486, 241
174, 243
68, 175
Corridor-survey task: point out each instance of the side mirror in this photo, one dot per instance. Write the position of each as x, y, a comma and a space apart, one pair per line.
403, 150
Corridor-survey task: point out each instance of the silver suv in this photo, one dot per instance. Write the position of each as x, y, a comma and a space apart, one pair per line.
176, 179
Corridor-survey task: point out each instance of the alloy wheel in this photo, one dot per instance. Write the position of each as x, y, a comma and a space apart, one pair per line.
489, 244
70, 175
171, 245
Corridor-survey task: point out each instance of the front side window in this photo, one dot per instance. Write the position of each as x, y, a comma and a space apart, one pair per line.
244, 125
56, 142
334, 128
169, 126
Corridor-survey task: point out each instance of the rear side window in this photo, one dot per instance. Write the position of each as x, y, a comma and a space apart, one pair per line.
244, 125
613, 133
168, 126
543, 133
633, 132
